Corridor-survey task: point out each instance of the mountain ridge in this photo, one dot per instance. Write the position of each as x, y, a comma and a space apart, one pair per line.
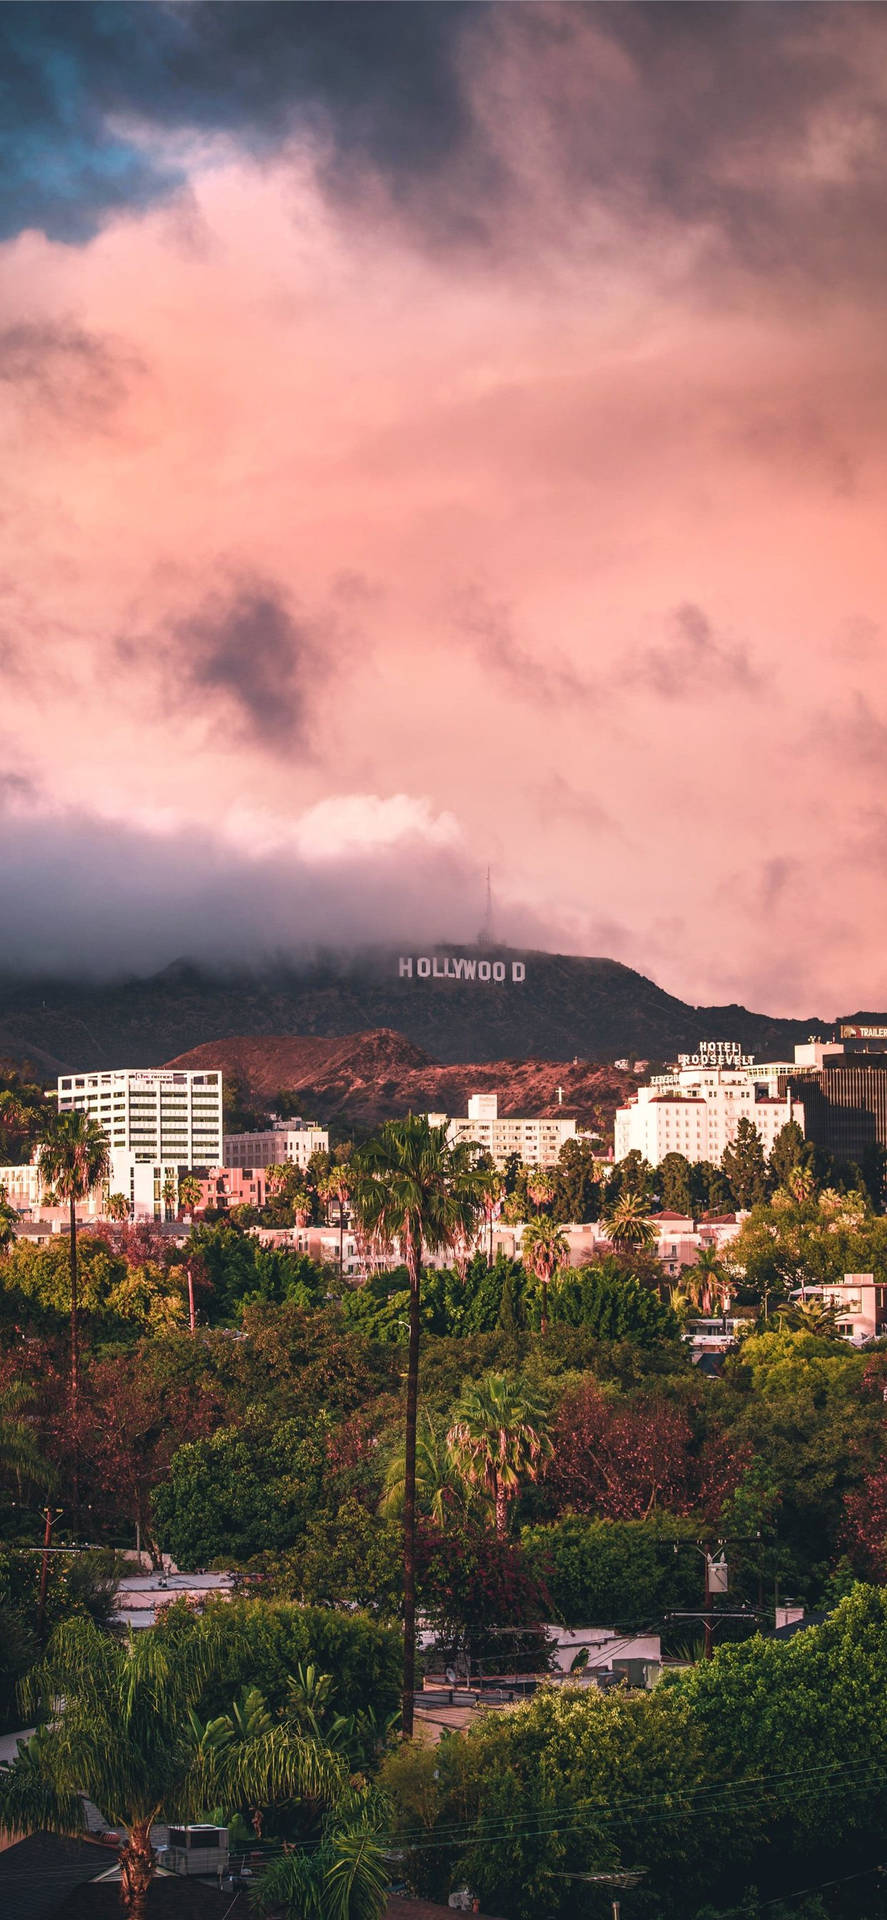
566, 1005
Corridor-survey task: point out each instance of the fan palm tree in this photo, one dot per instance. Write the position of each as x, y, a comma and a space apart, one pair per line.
190, 1193
170, 1192
545, 1249
706, 1283
540, 1188
626, 1224
412, 1187
72, 1160
117, 1207
127, 1736
499, 1437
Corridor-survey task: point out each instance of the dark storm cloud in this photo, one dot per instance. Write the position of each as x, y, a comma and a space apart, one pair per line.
704, 115
380, 76
249, 651
694, 659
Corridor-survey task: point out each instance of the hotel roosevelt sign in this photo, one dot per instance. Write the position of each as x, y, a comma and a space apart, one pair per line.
448, 966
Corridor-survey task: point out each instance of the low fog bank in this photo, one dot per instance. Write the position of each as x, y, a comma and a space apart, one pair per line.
89, 900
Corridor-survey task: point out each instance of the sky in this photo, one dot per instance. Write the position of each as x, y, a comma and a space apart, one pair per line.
441, 437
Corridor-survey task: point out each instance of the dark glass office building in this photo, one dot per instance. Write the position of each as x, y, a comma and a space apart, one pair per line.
844, 1102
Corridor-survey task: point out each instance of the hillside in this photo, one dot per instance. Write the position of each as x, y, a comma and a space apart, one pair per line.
563, 1006
375, 1076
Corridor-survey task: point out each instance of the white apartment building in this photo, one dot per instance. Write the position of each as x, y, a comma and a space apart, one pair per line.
22, 1186
290, 1145
536, 1142
160, 1122
696, 1108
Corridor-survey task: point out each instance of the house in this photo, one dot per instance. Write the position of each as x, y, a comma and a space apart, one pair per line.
859, 1303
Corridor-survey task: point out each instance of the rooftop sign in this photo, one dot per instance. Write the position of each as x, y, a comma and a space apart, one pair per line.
448, 967
717, 1053
849, 1032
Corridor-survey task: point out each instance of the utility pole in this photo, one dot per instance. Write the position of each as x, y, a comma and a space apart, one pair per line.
51, 1516
191, 1319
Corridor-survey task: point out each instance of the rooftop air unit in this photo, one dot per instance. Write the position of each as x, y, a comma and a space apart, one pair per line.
196, 1850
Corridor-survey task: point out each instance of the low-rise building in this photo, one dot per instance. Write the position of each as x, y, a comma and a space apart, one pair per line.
859, 1303
291, 1144
535, 1142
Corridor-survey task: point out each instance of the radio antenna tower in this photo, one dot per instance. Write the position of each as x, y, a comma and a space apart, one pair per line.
486, 937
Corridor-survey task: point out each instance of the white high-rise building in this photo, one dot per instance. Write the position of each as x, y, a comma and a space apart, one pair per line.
696, 1108
160, 1123
536, 1142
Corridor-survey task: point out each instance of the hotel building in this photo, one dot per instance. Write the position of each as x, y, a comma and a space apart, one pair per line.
696, 1108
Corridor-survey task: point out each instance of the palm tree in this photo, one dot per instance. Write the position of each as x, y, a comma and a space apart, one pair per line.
498, 1438
20, 1456
190, 1193
73, 1158
127, 1735
170, 1192
626, 1224
336, 1186
8, 1222
439, 1488
540, 1188
344, 1878
493, 1188
14, 1118
545, 1249
117, 1207
412, 1187
706, 1283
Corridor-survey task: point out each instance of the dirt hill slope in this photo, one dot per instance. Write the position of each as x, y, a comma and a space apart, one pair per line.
375, 1076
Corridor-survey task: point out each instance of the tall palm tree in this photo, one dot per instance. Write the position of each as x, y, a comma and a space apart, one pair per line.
413, 1188
499, 1437
127, 1735
493, 1186
72, 1160
545, 1249
117, 1207
626, 1225
170, 1193
335, 1186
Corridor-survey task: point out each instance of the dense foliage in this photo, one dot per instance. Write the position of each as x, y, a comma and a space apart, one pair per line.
573, 1473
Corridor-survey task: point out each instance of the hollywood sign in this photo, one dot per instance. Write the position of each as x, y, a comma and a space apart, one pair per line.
448, 967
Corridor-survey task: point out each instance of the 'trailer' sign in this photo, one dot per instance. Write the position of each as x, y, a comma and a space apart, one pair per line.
448, 967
